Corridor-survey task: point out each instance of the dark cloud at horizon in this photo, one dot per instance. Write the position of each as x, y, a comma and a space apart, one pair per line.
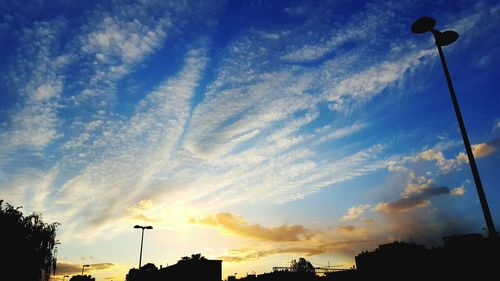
71, 268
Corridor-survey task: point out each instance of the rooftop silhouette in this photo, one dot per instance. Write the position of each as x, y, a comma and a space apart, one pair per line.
195, 267
468, 255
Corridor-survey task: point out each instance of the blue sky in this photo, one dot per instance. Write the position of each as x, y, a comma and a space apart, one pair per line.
252, 131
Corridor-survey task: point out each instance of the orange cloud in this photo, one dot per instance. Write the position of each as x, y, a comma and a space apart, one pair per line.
249, 254
287, 239
458, 191
479, 150
310, 249
482, 150
65, 268
351, 230
431, 154
236, 225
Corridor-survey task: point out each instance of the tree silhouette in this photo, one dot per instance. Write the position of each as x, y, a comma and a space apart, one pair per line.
146, 272
302, 266
82, 278
28, 245
193, 258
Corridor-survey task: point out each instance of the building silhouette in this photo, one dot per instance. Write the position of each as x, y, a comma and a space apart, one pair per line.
461, 257
392, 260
196, 268
469, 256
202, 270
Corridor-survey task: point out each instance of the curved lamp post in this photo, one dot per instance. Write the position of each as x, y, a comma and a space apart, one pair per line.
426, 24
84, 266
142, 239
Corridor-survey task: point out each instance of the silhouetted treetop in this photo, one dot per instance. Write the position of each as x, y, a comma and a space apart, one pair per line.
149, 267
146, 272
194, 257
302, 266
82, 278
30, 243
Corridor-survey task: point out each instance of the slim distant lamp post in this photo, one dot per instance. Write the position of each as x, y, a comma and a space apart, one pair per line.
84, 266
426, 24
142, 239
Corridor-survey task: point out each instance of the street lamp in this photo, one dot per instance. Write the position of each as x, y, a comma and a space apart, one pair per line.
142, 239
64, 277
84, 266
426, 24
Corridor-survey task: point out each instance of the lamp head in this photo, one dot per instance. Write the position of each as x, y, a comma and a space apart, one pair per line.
149, 227
423, 24
137, 226
86, 265
445, 38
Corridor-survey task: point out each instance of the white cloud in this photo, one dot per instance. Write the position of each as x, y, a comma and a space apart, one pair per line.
229, 114
30, 188
354, 212
38, 83
496, 126
416, 185
341, 132
361, 27
47, 91
447, 165
394, 166
126, 40
373, 80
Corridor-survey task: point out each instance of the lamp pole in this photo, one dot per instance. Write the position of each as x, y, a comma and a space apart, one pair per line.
84, 266
426, 24
142, 239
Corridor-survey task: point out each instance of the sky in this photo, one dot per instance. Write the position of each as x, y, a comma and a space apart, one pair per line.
255, 132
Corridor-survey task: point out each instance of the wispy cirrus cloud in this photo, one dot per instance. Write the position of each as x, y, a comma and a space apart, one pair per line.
163, 112
238, 140
359, 28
